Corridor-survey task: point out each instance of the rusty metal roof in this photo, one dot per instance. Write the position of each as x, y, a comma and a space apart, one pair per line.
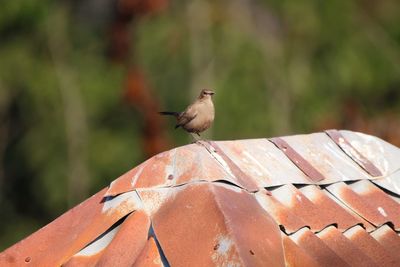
324, 199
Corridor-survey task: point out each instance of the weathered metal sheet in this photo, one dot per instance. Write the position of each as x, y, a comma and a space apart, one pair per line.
383, 155
344, 248
379, 200
89, 255
312, 173
357, 203
263, 162
325, 156
55, 243
365, 224
371, 247
125, 240
390, 183
342, 217
353, 153
388, 239
281, 214
295, 255
78, 261
317, 249
198, 200
210, 225
123, 183
176, 167
128, 242
243, 180
302, 207
150, 257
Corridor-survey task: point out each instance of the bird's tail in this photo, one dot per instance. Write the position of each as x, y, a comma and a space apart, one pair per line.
175, 114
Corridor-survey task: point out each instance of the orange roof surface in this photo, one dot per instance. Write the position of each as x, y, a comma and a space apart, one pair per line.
323, 199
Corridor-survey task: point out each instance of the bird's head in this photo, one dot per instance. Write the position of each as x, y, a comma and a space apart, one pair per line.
206, 93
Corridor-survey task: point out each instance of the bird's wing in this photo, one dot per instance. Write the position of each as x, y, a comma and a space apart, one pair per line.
189, 114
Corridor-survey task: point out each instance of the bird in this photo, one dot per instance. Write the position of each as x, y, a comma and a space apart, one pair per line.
198, 116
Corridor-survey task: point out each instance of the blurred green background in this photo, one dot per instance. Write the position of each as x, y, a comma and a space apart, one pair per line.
81, 81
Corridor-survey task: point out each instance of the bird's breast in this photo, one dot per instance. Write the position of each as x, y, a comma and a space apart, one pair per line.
204, 118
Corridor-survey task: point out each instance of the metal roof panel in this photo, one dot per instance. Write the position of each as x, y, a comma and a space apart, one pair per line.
343, 247
238, 202
388, 239
263, 161
383, 155
357, 203
371, 247
322, 153
282, 215
150, 257
295, 255
317, 249
343, 218
378, 199
302, 207
236, 236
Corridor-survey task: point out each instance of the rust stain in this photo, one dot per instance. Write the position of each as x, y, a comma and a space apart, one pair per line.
150, 257
359, 204
55, 243
339, 215
379, 200
317, 249
296, 256
281, 214
82, 261
128, 242
302, 207
298, 160
347, 250
371, 247
191, 212
388, 239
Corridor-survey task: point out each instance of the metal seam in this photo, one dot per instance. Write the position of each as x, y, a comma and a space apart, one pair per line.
312, 173
353, 153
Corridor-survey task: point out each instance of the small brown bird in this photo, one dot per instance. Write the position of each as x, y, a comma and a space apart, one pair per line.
197, 117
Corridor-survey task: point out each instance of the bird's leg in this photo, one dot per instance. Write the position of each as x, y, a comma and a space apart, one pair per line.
195, 138
202, 142
199, 140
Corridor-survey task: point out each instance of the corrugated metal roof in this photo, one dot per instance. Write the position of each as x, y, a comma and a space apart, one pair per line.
324, 199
